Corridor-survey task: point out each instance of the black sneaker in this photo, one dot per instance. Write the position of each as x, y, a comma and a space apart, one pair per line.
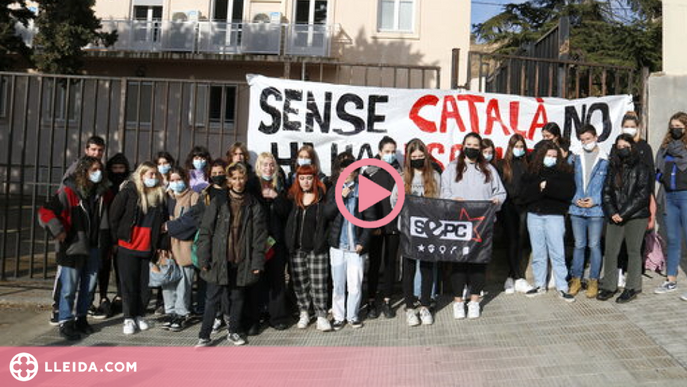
202, 343
605, 295
236, 339
92, 310
254, 329
167, 321
68, 331
626, 296
83, 326
116, 306
356, 324
55, 318
387, 310
280, 326
567, 297
178, 324
338, 325
104, 310
372, 312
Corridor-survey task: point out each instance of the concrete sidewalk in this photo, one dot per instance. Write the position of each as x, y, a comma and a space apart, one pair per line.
519, 341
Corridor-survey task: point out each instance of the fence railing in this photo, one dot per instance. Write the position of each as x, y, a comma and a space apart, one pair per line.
211, 37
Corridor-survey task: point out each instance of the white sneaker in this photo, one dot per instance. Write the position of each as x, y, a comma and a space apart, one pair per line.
509, 286
142, 324
411, 318
323, 324
129, 326
216, 325
303, 321
458, 310
683, 297
621, 279
522, 286
426, 316
473, 309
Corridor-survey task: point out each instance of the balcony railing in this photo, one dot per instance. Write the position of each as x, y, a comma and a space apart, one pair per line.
214, 37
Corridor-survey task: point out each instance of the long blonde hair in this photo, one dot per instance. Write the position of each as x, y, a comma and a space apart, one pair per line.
262, 158
148, 197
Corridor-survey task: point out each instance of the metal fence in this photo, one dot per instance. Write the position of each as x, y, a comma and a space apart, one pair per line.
44, 121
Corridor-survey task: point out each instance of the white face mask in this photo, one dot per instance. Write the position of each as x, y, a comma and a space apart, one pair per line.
589, 146
301, 162
96, 176
631, 131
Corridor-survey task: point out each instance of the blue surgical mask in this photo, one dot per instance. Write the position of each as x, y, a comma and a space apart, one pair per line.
266, 178
301, 162
199, 163
96, 177
164, 168
150, 182
389, 157
550, 161
488, 156
518, 152
177, 186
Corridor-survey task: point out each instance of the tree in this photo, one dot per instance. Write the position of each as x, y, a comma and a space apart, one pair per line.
64, 28
13, 12
618, 32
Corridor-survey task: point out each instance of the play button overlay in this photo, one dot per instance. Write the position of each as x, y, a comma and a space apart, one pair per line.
370, 193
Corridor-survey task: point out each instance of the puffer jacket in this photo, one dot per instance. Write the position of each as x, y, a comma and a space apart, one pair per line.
631, 199
212, 242
320, 230
125, 213
336, 220
594, 189
67, 212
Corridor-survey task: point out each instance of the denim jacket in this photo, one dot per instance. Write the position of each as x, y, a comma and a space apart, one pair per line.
594, 189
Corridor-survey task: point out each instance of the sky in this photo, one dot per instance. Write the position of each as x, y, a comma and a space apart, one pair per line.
484, 9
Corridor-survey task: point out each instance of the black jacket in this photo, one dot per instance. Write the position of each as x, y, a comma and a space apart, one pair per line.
212, 242
554, 199
335, 219
631, 199
125, 213
384, 207
518, 170
320, 229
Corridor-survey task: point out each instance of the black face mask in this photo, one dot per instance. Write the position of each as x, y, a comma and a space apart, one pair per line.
237, 193
118, 178
219, 180
417, 164
676, 133
624, 153
472, 153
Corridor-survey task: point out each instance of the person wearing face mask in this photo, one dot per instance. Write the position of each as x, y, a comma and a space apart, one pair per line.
470, 177
306, 156
489, 151
177, 296
138, 215
164, 162
77, 218
546, 192
269, 294
385, 240
586, 211
420, 179
197, 163
511, 169
626, 205
671, 164
552, 132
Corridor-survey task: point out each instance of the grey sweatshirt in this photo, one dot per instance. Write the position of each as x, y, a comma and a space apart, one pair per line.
472, 186
417, 187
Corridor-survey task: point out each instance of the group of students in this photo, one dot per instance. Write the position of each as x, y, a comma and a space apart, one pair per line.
237, 232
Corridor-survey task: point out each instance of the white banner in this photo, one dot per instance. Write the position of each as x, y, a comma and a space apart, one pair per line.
286, 114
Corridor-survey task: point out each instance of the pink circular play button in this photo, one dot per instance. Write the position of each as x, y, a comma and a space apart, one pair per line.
370, 193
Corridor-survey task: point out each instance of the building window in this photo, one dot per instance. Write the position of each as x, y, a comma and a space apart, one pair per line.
139, 103
214, 103
61, 110
396, 16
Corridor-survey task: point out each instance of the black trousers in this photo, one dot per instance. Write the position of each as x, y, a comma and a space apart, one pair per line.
426, 277
471, 274
269, 294
515, 229
382, 248
134, 274
230, 298
108, 261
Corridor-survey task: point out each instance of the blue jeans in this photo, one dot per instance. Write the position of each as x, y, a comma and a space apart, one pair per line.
676, 228
177, 296
547, 239
82, 279
587, 231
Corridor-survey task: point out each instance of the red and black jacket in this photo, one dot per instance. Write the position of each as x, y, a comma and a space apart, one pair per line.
84, 218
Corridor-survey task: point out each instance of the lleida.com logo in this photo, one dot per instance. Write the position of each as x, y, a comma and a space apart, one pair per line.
24, 367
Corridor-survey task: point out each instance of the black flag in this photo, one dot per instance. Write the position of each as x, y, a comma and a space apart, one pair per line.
447, 230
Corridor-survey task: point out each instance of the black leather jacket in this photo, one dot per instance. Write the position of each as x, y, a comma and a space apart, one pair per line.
631, 199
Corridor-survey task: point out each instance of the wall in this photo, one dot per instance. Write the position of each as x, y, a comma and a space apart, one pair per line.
666, 97
674, 36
